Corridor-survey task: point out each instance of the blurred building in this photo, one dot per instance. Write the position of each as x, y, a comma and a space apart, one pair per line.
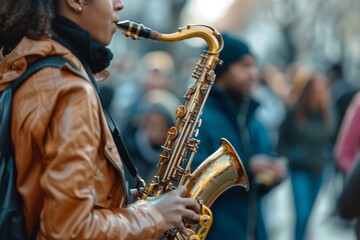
280, 31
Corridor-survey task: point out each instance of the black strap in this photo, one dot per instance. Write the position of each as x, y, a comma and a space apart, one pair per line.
125, 156
114, 129
119, 142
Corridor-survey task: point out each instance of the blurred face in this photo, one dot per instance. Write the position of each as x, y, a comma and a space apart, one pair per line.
241, 75
319, 93
156, 127
98, 17
155, 79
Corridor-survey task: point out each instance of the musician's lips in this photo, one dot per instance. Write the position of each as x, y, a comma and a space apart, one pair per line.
114, 26
116, 20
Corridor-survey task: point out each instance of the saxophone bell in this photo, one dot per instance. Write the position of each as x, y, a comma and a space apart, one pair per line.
220, 171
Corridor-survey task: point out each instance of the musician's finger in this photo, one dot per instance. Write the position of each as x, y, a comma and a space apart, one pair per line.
192, 203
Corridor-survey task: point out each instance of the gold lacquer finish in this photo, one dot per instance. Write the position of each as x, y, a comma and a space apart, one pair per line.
223, 169
220, 171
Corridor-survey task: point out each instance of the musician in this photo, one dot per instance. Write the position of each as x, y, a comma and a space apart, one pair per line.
229, 113
69, 173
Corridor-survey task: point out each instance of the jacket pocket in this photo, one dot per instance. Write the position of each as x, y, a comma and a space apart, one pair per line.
103, 195
119, 189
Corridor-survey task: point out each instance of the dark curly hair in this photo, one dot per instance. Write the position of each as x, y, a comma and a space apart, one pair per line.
20, 18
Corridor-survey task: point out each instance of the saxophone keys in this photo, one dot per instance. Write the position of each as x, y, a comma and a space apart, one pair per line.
210, 76
164, 157
169, 187
194, 237
180, 112
205, 220
171, 134
188, 174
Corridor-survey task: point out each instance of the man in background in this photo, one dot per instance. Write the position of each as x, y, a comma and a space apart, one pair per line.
229, 113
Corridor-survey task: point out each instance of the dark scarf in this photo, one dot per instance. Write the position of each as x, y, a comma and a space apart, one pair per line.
79, 42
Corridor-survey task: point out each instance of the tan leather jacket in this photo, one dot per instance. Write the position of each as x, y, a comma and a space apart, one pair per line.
68, 169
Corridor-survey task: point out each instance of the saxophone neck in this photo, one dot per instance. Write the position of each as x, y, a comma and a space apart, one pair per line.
211, 36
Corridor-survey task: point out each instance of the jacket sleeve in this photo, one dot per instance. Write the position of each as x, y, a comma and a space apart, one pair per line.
287, 144
260, 140
71, 146
348, 141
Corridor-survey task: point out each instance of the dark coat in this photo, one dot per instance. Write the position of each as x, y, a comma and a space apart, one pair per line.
306, 144
249, 137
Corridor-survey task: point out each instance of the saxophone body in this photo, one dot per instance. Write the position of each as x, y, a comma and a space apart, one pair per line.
220, 171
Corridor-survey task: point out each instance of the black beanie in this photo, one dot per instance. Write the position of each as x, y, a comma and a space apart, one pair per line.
234, 49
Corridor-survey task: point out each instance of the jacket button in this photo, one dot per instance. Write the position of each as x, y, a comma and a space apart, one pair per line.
109, 196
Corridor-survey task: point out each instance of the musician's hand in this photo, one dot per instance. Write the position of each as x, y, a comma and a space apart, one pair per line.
267, 169
176, 208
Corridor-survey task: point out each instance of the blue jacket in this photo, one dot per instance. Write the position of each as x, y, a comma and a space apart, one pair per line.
221, 119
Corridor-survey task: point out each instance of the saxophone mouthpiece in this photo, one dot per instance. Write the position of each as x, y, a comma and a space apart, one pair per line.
136, 30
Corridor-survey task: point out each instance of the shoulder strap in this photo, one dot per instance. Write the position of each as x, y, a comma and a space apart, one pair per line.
125, 155
120, 145
119, 142
53, 61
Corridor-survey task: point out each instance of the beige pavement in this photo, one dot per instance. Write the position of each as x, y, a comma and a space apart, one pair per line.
323, 224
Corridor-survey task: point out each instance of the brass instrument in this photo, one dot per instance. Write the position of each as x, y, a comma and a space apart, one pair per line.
220, 171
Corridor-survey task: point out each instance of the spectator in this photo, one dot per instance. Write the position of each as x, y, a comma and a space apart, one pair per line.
304, 138
154, 116
230, 112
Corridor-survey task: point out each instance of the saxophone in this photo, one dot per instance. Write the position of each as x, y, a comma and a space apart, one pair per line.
220, 171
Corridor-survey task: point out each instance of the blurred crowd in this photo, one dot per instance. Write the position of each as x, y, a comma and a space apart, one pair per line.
305, 114
291, 115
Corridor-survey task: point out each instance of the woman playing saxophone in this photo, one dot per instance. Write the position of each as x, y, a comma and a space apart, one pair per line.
70, 176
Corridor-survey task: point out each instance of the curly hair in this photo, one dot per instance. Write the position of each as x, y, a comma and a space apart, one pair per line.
24, 18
